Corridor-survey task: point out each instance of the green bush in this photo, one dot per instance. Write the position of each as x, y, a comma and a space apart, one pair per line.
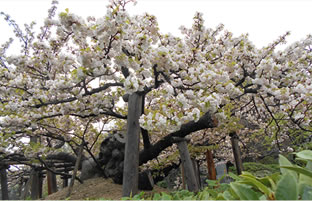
292, 183
258, 169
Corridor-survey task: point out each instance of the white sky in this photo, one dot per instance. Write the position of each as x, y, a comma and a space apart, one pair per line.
264, 20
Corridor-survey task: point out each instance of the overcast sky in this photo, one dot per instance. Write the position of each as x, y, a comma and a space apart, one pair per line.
264, 20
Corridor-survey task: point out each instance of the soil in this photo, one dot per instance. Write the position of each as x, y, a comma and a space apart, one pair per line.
97, 188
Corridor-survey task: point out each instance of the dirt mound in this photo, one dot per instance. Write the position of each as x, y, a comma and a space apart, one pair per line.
97, 188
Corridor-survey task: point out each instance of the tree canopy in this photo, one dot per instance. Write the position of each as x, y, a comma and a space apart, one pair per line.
70, 81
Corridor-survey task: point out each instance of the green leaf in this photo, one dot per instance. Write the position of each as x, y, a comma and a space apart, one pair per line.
165, 196
287, 188
226, 195
234, 176
283, 161
203, 195
305, 154
269, 182
138, 196
156, 196
254, 182
244, 191
309, 165
262, 197
307, 193
212, 183
304, 178
299, 169
275, 177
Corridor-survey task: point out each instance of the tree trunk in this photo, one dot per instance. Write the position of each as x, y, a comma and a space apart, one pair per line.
4, 183
211, 166
187, 164
236, 153
131, 162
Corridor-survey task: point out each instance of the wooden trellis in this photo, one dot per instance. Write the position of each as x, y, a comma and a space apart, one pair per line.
33, 180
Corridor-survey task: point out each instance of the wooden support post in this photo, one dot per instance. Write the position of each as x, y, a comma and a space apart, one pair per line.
52, 183
27, 186
183, 177
189, 172
72, 181
236, 153
131, 162
35, 186
197, 172
40, 184
211, 166
4, 183
20, 187
65, 180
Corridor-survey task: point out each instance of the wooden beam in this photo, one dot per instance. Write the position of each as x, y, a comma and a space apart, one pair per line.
131, 162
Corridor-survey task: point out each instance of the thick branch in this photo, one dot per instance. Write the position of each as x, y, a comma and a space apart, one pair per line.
159, 175
206, 121
145, 137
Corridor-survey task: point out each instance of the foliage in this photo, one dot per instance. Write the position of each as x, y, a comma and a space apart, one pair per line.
294, 183
258, 169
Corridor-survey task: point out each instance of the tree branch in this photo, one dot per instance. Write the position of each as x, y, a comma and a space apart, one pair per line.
206, 121
93, 91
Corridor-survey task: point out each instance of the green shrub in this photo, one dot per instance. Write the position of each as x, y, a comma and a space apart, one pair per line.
258, 169
293, 182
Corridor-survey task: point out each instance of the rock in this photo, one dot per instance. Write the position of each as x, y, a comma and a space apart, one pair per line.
221, 169
116, 154
90, 170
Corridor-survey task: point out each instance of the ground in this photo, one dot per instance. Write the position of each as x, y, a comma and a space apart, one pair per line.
97, 188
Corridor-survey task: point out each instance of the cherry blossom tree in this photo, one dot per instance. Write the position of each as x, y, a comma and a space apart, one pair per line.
76, 74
